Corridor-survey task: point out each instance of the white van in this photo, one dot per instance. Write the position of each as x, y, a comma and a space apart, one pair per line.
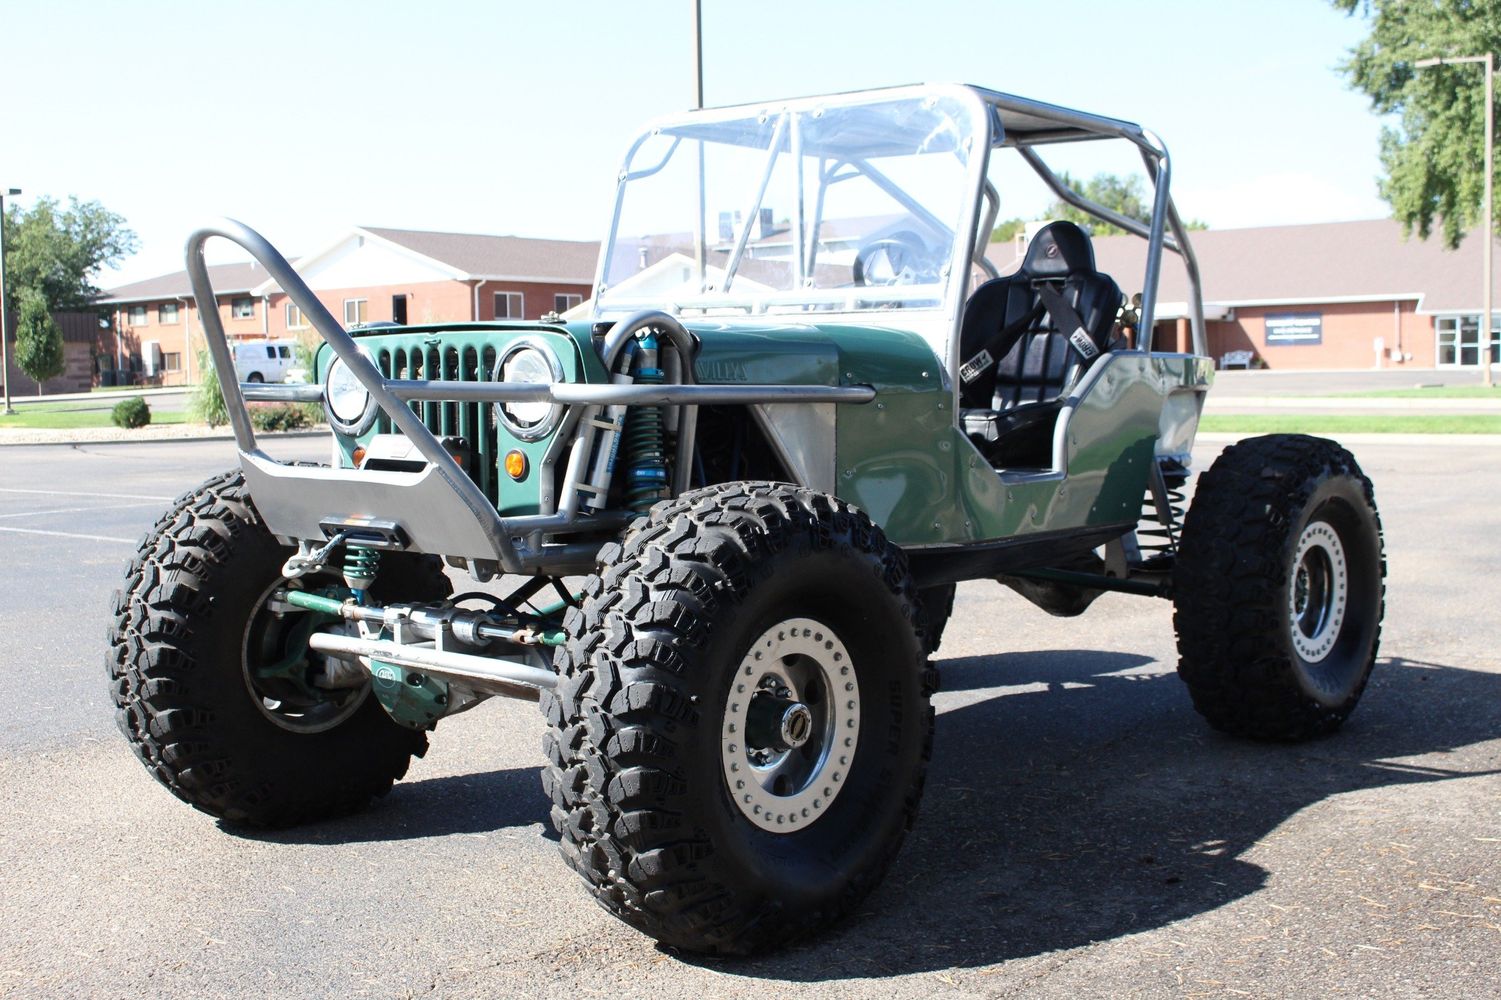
263, 360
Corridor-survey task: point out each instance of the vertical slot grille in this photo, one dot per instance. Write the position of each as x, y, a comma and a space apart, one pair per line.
474, 422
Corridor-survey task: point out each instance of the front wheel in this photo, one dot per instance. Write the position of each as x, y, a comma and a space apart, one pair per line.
210, 675
1279, 588
738, 739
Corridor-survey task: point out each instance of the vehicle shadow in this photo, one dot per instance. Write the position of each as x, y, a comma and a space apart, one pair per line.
430, 807
1076, 804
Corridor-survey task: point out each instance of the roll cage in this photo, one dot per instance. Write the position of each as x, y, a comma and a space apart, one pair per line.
847, 133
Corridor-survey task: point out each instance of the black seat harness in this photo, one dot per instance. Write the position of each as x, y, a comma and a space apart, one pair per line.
1064, 317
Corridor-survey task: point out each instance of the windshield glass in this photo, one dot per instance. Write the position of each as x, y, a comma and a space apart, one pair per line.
818, 207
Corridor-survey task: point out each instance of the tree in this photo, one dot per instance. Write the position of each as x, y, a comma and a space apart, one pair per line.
1005, 232
1125, 195
1431, 159
57, 251
39, 343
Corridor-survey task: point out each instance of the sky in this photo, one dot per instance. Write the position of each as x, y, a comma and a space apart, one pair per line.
303, 119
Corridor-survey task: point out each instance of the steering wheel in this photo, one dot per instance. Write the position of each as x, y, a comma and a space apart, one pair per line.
899, 259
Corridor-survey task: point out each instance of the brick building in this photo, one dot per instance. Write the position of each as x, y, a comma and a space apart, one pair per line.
1339, 295
367, 275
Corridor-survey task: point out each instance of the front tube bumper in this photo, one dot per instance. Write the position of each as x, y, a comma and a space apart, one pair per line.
447, 494
440, 508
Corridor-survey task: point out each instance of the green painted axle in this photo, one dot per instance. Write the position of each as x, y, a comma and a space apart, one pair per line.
315, 602
330, 606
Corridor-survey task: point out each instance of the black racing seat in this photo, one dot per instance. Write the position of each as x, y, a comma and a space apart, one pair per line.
1026, 339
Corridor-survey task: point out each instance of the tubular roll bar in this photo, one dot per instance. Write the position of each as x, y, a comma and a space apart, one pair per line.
1079, 126
392, 395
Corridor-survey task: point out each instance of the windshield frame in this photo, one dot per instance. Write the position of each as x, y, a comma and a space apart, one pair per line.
756, 303
999, 120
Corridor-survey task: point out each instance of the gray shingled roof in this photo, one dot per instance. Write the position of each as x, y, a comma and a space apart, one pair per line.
484, 256
226, 278
1319, 262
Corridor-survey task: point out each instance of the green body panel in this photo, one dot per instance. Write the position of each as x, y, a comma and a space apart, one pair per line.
904, 462
901, 458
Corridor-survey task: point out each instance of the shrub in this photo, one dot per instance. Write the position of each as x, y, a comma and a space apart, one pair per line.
130, 413
39, 342
280, 417
207, 403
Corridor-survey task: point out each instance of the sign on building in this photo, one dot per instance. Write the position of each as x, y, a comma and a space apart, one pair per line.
1286, 329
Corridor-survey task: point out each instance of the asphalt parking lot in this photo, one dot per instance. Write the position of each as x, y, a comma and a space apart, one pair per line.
1082, 834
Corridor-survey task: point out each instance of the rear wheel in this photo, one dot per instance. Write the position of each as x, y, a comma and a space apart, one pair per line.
739, 735
1279, 584
210, 677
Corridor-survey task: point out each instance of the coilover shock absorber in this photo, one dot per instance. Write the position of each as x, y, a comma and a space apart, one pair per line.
360, 566
645, 445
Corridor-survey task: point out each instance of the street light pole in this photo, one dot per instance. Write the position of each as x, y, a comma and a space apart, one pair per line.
4, 354
698, 55
1490, 219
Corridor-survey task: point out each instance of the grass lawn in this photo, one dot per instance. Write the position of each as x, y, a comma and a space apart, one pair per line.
1352, 423
1432, 392
58, 416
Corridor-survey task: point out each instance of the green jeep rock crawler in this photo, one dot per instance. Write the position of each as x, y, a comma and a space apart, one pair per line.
801, 407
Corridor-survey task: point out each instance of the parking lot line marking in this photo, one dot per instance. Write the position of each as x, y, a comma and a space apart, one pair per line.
69, 534
105, 496
79, 510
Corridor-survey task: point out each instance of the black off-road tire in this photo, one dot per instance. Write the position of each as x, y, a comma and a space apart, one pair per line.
1237, 588
636, 775
180, 688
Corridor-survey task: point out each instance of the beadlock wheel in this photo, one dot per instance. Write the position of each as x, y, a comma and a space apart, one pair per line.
1278, 588
737, 740
1319, 591
791, 725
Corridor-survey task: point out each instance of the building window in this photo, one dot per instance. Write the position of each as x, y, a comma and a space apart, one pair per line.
509, 305
166, 313
242, 308
355, 311
136, 316
563, 303
1459, 340
295, 319
171, 362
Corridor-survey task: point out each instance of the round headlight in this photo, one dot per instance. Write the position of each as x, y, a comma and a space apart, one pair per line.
534, 363
348, 404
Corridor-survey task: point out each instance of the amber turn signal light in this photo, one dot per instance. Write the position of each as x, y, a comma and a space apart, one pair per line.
516, 465
359, 457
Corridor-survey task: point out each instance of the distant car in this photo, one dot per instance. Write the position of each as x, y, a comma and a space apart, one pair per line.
263, 360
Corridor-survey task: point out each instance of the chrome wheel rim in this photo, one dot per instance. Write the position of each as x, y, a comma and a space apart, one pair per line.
791, 725
1318, 592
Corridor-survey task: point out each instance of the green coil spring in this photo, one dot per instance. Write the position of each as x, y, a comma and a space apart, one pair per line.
360, 567
644, 440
